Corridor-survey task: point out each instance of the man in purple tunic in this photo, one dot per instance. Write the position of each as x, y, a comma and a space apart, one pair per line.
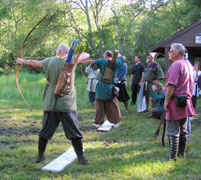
153, 73
178, 81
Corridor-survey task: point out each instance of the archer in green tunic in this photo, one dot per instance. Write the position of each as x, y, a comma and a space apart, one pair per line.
58, 109
67, 103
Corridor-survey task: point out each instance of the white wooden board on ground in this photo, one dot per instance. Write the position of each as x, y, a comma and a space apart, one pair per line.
60, 163
141, 103
106, 126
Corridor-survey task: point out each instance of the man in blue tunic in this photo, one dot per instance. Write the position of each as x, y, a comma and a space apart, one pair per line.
121, 84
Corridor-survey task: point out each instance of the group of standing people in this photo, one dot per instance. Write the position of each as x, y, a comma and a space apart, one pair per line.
149, 76
177, 99
178, 81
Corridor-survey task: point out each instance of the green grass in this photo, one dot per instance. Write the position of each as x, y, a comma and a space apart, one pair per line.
128, 152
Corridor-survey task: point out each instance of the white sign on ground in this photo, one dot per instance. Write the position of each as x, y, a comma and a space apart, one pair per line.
106, 126
60, 163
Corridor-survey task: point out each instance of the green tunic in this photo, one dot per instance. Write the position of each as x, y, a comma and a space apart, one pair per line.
67, 103
153, 72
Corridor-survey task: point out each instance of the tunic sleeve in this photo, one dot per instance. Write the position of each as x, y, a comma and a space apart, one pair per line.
174, 72
45, 63
100, 64
159, 72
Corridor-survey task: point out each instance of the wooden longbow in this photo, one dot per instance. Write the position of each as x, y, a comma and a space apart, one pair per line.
21, 56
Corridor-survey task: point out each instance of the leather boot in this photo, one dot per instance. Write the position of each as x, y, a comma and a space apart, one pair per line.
42, 143
174, 143
77, 145
182, 145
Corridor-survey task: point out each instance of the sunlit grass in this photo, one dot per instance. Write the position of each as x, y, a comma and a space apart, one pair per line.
128, 152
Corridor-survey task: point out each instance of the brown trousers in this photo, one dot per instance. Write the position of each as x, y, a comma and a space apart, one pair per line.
110, 108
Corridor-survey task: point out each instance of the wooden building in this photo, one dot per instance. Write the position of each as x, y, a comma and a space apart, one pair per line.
190, 37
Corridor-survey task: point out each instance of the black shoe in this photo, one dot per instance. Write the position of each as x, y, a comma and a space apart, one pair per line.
40, 157
83, 161
42, 143
77, 145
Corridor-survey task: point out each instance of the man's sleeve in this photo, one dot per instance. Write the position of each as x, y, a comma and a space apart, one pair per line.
45, 63
133, 72
159, 72
174, 72
119, 62
97, 63
143, 68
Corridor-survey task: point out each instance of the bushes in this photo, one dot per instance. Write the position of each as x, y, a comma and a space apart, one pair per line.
1, 70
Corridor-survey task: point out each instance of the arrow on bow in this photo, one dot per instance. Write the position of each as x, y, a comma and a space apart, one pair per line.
21, 56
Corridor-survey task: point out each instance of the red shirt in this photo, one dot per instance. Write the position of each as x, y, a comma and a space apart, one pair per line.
180, 74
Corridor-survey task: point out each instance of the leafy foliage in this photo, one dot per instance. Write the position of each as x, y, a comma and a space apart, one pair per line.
141, 25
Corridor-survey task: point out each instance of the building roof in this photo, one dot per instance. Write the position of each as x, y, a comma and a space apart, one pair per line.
185, 36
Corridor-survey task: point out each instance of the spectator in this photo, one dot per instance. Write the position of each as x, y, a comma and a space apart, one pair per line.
91, 83
153, 73
121, 84
158, 101
178, 105
137, 76
196, 90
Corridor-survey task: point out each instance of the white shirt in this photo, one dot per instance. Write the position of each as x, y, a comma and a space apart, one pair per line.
92, 78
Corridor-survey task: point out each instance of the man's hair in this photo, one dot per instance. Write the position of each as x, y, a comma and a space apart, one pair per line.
64, 48
108, 53
159, 85
178, 47
138, 56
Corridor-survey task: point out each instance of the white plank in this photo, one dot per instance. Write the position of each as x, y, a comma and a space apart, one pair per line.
106, 126
60, 163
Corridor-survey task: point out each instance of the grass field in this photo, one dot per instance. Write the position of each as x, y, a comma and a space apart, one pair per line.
127, 152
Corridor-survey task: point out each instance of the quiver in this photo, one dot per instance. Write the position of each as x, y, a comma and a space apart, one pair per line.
109, 72
64, 79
